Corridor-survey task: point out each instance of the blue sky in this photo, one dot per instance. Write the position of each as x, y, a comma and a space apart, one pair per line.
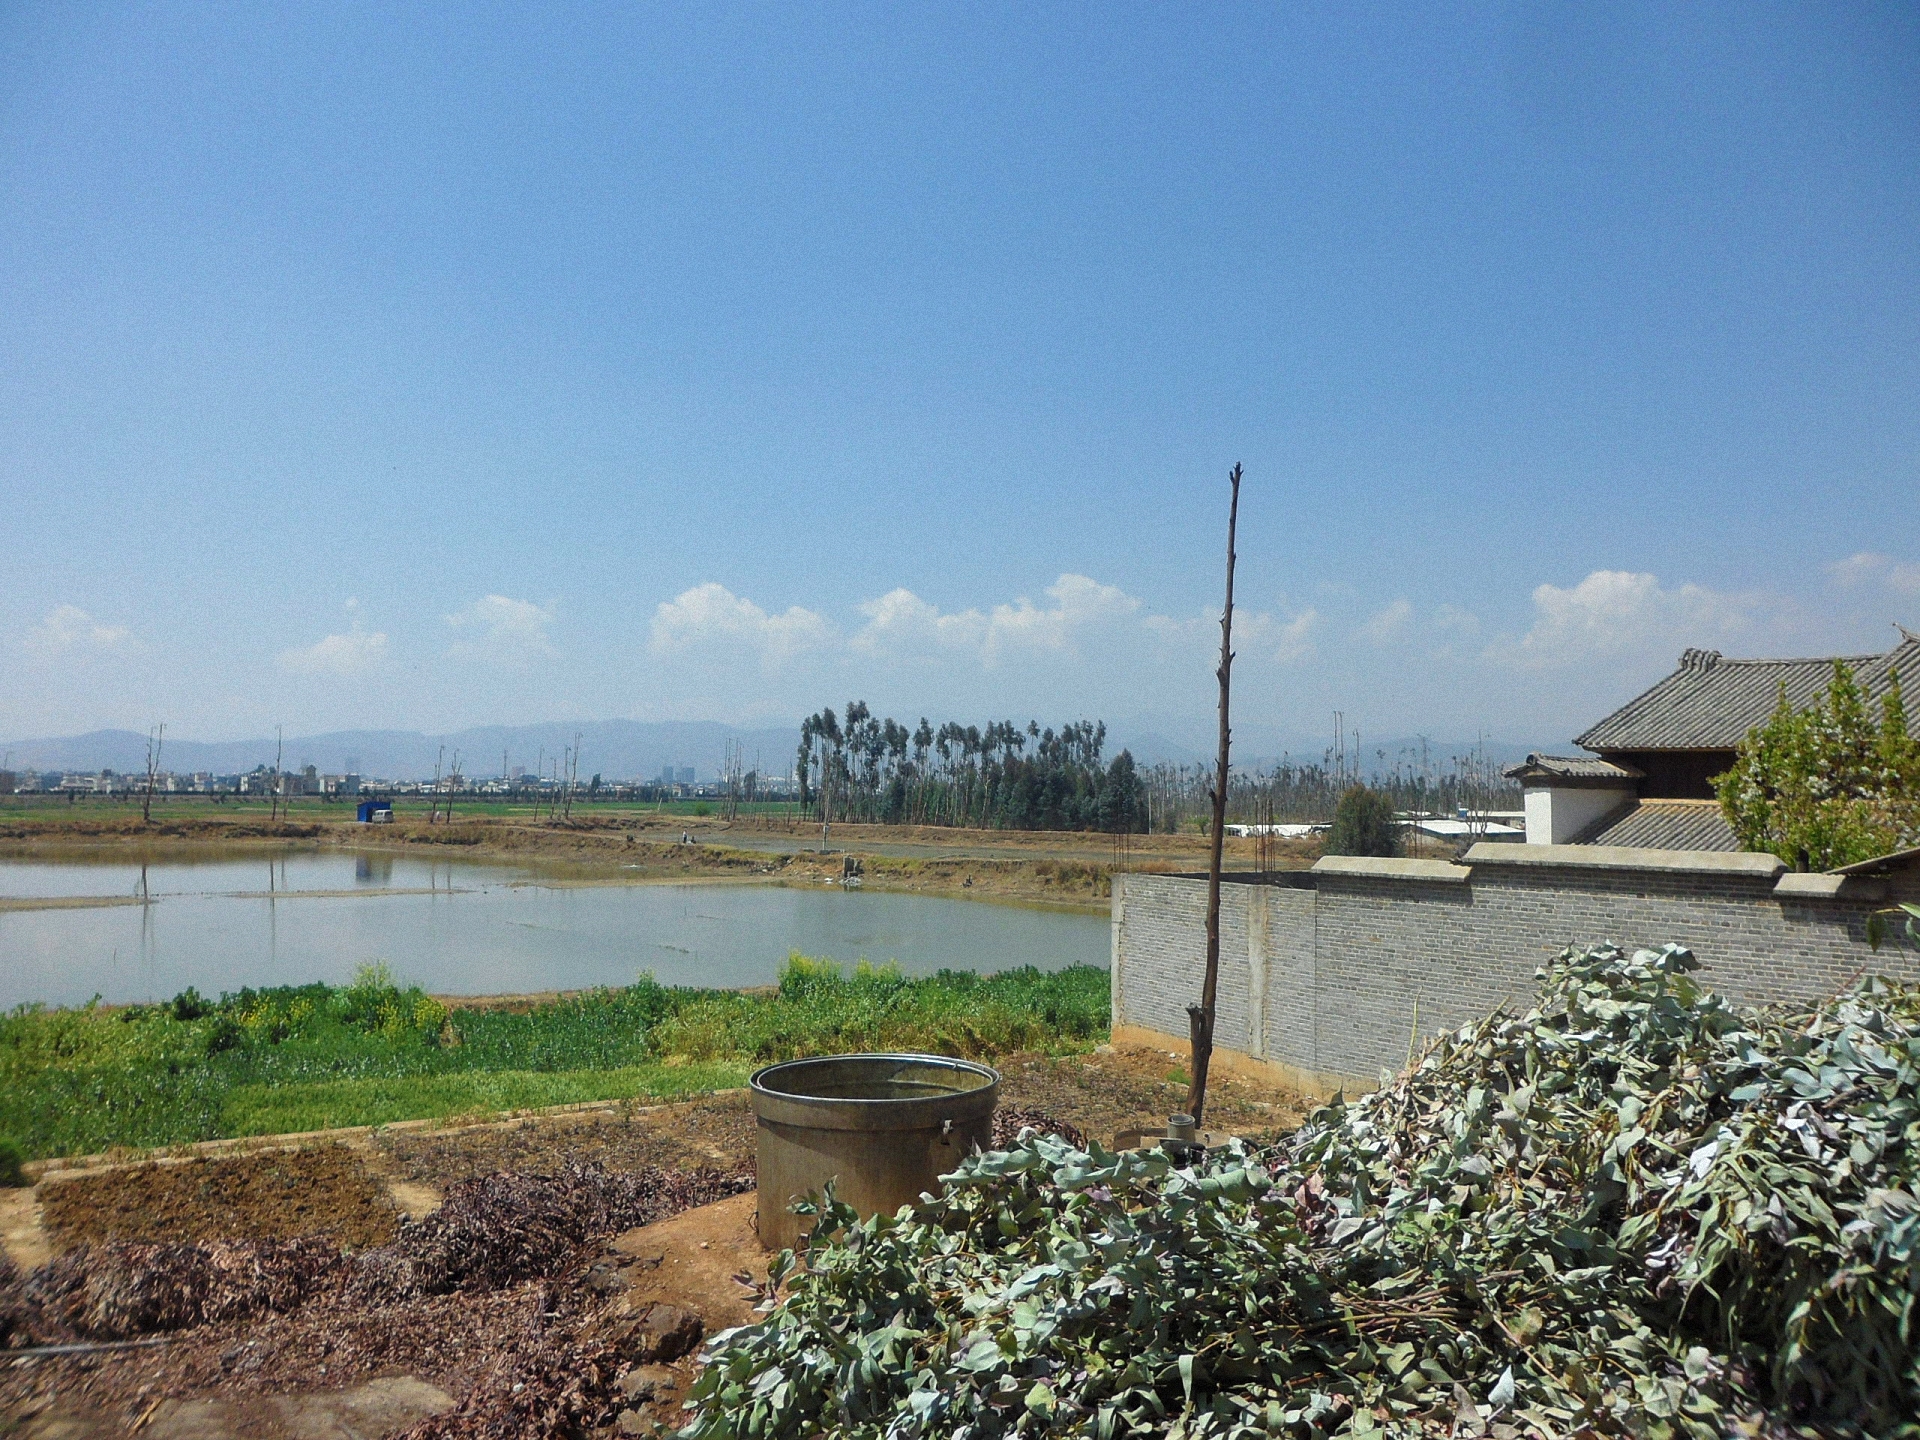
434, 366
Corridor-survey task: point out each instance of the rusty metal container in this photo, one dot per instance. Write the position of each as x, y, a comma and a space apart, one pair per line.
883, 1128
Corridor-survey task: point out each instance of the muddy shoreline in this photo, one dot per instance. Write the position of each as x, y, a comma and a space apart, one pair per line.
1050, 868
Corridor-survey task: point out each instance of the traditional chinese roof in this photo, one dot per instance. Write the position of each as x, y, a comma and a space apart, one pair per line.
1711, 702
1664, 825
1573, 771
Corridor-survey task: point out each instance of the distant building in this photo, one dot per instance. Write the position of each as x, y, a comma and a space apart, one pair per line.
686, 774
1649, 780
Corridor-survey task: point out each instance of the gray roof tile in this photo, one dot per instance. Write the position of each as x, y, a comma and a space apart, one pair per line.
1710, 702
1572, 767
1664, 825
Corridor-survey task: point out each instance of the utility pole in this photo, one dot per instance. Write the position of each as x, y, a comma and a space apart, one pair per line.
279, 780
1200, 1017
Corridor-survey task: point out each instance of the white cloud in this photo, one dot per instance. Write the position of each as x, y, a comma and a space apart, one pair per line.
507, 631
353, 653
901, 621
1454, 617
1619, 612
1079, 604
1255, 632
1295, 642
69, 628
1867, 567
711, 613
1389, 624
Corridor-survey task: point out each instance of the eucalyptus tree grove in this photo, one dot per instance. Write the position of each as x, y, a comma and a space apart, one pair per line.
1003, 776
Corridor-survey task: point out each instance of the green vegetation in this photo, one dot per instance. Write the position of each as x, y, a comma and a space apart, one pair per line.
1363, 824
1827, 786
872, 769
268, 1109
315, 1056
1635, 1210
11, 1158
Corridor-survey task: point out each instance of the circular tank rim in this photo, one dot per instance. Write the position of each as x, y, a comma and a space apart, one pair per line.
823, 1112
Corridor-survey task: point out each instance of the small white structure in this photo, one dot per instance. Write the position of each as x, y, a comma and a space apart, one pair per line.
1567, 795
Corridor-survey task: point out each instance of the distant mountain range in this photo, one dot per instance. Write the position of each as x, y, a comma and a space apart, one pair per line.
637, 749
617, 749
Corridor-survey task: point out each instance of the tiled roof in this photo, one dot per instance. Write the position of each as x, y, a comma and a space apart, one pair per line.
1710, 702
1664, 825
1572, 767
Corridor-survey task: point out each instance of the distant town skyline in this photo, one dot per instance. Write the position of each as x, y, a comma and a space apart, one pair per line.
393, 367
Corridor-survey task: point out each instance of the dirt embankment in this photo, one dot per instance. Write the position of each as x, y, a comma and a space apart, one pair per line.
625, 848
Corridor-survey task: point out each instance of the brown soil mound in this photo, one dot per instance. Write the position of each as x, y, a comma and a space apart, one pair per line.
273, 1196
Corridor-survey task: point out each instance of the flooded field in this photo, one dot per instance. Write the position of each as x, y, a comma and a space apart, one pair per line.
128, 931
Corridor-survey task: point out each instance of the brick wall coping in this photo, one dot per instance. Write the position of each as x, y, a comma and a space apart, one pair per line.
1376, 867
1826, 886
1739, 864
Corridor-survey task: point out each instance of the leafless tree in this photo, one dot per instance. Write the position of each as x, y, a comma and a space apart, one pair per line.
155, 739
1200, 1017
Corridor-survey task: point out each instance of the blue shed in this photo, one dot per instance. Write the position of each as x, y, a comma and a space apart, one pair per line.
376, 812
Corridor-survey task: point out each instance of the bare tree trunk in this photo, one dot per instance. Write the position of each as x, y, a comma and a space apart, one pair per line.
279, 780
1200, 1017
433, 805
153, 768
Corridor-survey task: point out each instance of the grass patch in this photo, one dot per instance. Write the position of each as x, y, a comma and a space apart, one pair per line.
317, 1056
331, 1104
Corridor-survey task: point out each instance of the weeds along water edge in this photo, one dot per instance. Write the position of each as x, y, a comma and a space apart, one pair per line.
291, 1058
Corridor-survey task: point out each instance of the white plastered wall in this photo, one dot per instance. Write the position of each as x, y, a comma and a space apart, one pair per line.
1555, 814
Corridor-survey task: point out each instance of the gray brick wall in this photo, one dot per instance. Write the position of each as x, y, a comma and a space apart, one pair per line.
1339, 972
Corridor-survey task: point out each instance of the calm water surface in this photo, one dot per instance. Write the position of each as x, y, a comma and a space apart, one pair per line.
459, 928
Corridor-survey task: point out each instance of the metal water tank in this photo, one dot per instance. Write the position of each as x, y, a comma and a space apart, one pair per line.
884, 1128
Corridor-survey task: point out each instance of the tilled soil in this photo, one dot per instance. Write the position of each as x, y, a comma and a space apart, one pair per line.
713, 1131
277, 1195
529, 1341
1130, 1087
1101, 1094
490, 1299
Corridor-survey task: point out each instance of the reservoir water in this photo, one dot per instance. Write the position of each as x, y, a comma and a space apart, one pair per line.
220, 923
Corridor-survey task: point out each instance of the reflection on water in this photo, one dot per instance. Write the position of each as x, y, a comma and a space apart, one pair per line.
221, 922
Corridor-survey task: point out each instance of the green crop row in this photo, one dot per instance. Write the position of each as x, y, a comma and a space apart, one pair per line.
310, 1057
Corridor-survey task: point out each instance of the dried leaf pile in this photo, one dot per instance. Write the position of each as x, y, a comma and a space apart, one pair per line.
1634, 1210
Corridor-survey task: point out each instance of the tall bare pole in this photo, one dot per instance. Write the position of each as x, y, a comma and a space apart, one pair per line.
279, 779
1200, 1017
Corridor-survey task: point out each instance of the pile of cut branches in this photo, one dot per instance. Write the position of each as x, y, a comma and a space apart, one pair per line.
1634, 1210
